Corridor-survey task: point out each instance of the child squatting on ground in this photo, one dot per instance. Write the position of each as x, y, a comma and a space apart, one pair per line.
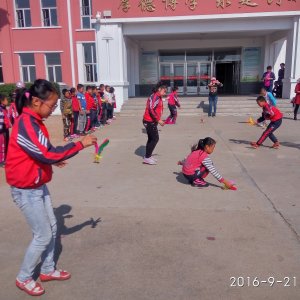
197, 165
273, 114
28, 169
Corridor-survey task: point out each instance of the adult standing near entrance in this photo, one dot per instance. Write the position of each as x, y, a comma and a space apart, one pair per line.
297, 98
280, 77
152, 117
268, 79
213, 96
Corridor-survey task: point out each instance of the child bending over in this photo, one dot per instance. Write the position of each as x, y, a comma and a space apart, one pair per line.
273, 114
198, 164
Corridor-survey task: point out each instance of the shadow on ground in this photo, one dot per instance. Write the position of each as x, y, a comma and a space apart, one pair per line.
140, 151
180, 178
62, 213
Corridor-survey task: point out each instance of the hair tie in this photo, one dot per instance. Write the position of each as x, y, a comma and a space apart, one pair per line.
27, 94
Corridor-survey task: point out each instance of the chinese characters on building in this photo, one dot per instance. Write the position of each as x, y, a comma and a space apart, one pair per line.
170, 3
124, 5
147, 5
223, 3
152, 5
192, 4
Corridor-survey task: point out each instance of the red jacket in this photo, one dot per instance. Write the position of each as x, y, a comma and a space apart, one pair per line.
173, 99
75, 104
297, 91
193, 162
30, 153
271, 113
89, 101
154, 108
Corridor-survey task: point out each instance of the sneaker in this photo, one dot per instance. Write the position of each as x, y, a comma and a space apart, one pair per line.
149, 161
55, 275
30, 287
199, 182
254, 145
275, 145
154, 159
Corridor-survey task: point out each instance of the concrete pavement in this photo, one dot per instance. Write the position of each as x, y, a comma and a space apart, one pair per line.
159, 238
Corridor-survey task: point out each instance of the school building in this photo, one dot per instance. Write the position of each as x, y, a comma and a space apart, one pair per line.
131, 44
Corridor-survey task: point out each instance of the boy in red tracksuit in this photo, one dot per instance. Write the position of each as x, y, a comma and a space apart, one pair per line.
76, 108
273, 114
152, 117
89, 105
173, 103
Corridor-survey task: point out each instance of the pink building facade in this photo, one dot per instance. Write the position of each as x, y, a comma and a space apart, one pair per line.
131, 44
39, 37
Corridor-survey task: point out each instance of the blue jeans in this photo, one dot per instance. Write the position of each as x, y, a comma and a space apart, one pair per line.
213, 100
36, 206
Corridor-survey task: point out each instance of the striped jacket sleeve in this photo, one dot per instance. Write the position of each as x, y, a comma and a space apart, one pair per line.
32, 140
152, 103
207, 162
176, 101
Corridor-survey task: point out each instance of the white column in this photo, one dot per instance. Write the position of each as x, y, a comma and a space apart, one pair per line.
112, 60
292, 66
267, 61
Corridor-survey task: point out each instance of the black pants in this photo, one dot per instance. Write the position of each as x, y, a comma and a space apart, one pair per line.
153, 137
76, 115
110, 111
103, 114
93, 118
296, 109
199, 174
269, 132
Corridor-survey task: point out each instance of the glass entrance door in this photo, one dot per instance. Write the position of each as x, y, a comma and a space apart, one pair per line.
192, 79
179, 78
204, 76
165, 75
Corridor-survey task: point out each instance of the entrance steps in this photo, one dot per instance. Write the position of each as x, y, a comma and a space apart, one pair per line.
194, 106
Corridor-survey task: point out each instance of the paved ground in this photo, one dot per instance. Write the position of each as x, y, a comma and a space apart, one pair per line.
159, 238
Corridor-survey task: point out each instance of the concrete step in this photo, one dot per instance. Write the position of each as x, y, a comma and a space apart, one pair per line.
199, 105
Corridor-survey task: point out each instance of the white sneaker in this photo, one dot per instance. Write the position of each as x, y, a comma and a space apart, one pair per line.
154, 159
149, 161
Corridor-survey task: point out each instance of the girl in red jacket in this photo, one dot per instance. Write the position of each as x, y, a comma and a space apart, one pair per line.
152, 117
273, 114
173, 103
28, 169
198, 164
297, 99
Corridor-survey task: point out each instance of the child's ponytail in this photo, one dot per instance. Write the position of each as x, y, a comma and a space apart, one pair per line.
23, 99
41, 89
208, 141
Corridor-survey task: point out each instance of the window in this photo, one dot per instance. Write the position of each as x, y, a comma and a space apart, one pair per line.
53, 65
1, 71
86, 13
23, 13
27, 67
49, 13
90, 62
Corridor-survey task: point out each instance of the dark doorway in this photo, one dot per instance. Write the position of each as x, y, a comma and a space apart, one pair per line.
227, 73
